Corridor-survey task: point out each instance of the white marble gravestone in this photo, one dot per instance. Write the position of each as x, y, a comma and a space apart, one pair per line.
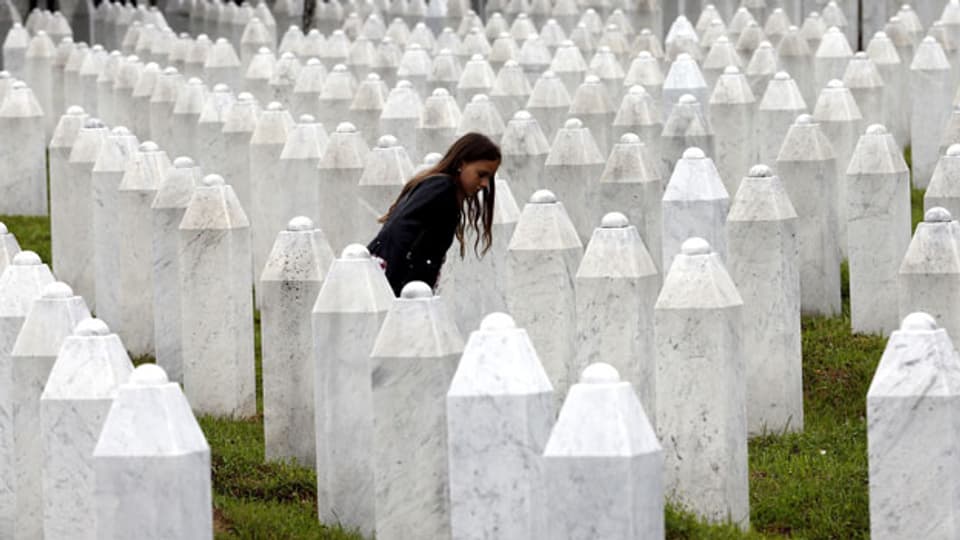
216, 314
152, 455
162, 100
83, 381
944, 188
778, 108
20, 284
701, 386
868, 87
795, 57
500, 408
266, 146
733, 117
15, 49
413, 361
572, 170
893, 70
38, 74
173, 196
831, 58
142, 92
929, 276
639, 113
616, 287
9, 247
603, 466
549, 103
209, 149
593, 105
350, 308
525, 148
684, 77
912, 433
764, 261
52, 317
23, 189
61, 203
289, 286
386, 169
686, 127
340, 169
367, 105
930, 83
878, 217
240, 121
184, 121
695, 203
543, 256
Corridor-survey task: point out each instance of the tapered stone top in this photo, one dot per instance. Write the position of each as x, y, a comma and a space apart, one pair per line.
286, 71
836, 104
919, 360
697, 279
311, 77
20, 102
740, 20
190, 97
574, 145
523, 136
834, 45
41, 46
50, 319
371, 94
499, 360
214, 205
591, 98
387, 164
644, 70
929, 56
638, 108
242, 115
418, 324
147, 81
782, 94
862, 72
216, 105
91, 364
814, 27
945, 182
146, 170
761, 197
261, 65
934, 247
300, 253
402, 102
877, 153
339, 84
793, 44
477, 73
178, 184
568, 59
17, 37
732, 88
21, 283
544, 225
601, 417
684, 73
616, 250
805, 141
695, 178
87, 144
274, 125
120, 146
549, 92
167, 86
629, 163
150, 417
721, 54
65, 134
355, 283
127, 74
882, 50
345, 149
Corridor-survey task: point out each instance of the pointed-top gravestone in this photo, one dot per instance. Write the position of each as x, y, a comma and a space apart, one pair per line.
266, 145
806, 165
813, 30
749, 42
151, 446
929, 275
349, 310
438, 123
549, 103
387, 169
284, 78
616, 265
338, 92
75, 400
910, 407
477, 78
639, 113
401, 115
15, 49
944, 188
23, 189
240, 121
867, 86
140, 97
603, 464
645, 70
52, 317
308, 87
571, 169
761, 67
701, 386
687, 126
878, 234
591, 104
930, 83
38, 74
410, 451
733, 117
831, 57
778, 108
569, 65
499, 371
210, 150
795, 57
892, 68
173, 196
216, 304
186, 115
367, 105
695, 203
256, 76
764, 262
684, 77
61, 145
340, 169
524, 148
445, 71
722, 54
682, 39
544, 254
161, 106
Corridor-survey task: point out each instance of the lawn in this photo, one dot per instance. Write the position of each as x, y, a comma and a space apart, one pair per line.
808, 485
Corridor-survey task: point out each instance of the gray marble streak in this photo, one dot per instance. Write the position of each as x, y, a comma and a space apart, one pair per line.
500, 408
912, 429
347, 316
878, 214
51, 318
289, 284
152, 464
603, 466
764, 262
23, 189
413, 361
701, 386
542, 259
74, 403
216, 303
616, 287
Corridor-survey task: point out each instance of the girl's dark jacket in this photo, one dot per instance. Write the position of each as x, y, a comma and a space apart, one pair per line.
415, 239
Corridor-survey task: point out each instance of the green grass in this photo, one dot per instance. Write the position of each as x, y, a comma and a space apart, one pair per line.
806, 485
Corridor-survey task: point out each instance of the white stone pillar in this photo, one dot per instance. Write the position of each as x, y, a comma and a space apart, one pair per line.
572, 170
240, 120
216, 302
639, 113
401, 115
929, 276
831, 58
38, 74
266, 145
778, 108
387, 168
413, 361
868, 87
806, 165
500, 397
764, 262
185, 117
340, 169
525, 148
162, 100
23, 189
891, 67
289, 286
687, 126
603, 466
795, 57
52, 317
695, 203
878, 217
284, 77
15, 49
91, 365
930, 85
306, 91
944, 188
543, 256
209, 150
366, 107
645, 71
439, 120
511, 90
142, 92
912, 433
701, 386
734, 120
222, 65
151, 448
121, 94
594, 107
61, 205
684, 77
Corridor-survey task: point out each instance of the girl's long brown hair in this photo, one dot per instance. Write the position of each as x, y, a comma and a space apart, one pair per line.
467, 149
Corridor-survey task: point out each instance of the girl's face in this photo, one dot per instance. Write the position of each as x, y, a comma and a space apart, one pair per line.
477, 175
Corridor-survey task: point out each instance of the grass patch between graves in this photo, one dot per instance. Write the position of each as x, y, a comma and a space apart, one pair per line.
807, 485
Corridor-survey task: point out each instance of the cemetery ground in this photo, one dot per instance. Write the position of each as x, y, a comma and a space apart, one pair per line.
806, 485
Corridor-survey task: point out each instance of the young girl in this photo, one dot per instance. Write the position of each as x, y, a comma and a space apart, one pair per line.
434, 207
